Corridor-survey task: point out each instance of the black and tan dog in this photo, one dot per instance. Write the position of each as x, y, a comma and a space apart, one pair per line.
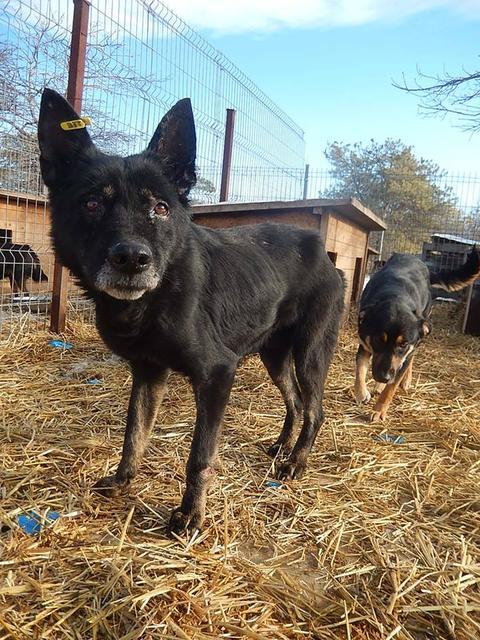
394, 318
173, 295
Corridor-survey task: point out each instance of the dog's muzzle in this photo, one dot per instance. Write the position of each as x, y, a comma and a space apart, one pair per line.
128, 272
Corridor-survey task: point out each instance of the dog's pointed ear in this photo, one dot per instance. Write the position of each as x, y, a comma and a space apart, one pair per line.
59, 146
175, 144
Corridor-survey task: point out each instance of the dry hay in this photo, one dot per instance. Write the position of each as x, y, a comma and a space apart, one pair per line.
376, 542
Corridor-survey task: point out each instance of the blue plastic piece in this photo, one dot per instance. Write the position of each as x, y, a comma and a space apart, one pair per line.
31, 523
93, 381
390, 439
273, 484
59, 344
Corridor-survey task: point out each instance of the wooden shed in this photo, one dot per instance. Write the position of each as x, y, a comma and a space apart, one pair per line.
345, 226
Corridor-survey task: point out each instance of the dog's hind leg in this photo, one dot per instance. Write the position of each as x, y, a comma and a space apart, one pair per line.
211, 395
362, 360
313, 355
13, 283
278, 361
148, 388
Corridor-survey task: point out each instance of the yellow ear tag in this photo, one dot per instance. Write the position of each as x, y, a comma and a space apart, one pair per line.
71, 125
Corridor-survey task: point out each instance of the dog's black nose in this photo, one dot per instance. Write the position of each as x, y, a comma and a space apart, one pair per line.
130, 257
383, 377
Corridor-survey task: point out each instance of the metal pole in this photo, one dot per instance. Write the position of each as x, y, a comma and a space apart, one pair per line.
380, 251
227, 155
467, 308
76, 71
305, 181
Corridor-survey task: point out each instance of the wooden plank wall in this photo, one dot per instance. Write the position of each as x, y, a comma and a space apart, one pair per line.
349, 242
297, 218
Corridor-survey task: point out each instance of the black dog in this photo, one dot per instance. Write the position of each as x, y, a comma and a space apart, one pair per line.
393, 320
18, 263
173, 295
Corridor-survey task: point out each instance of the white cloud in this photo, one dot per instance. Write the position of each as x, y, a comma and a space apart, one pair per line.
263, 16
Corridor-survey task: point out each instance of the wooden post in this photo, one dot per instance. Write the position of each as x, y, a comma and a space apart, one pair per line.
227, 155
76, 71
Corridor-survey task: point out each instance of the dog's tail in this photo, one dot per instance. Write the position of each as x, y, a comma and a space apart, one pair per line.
456, 279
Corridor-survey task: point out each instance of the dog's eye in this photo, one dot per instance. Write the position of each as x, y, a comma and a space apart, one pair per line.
92, 204
160, 209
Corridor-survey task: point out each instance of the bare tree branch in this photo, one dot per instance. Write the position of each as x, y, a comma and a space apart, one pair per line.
442, 95
39, 57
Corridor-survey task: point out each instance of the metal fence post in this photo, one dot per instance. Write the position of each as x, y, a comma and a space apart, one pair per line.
305, 181
76, 71
227, 155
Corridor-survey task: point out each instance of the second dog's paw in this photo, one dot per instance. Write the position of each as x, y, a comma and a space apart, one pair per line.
362, 396
379, 414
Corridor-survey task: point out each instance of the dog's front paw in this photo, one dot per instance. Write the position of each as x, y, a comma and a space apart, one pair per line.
291, 470
362, 395
181, 522
380, 413
110, 487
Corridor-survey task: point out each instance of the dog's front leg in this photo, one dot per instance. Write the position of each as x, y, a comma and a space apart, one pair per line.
148, 387
211, 396
362, 360
385, 398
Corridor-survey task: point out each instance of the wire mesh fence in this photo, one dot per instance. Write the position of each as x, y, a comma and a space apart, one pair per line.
419, 210
141, 58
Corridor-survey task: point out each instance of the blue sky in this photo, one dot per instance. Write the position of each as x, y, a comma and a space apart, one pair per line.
333, 73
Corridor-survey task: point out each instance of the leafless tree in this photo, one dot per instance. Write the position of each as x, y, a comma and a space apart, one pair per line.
39, 58
446, 94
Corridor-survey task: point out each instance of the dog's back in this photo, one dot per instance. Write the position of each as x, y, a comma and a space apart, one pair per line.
276, 272
403, 276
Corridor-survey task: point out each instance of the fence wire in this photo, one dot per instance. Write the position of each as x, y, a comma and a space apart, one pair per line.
141, 58
416, 208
